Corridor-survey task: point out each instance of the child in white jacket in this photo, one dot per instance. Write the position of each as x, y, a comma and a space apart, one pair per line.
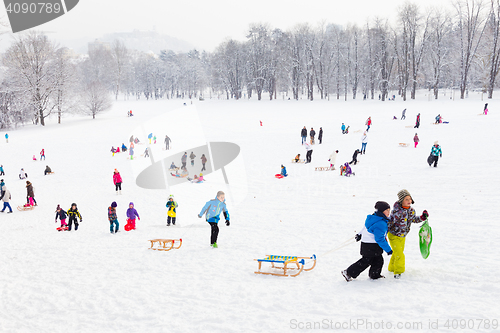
332, 159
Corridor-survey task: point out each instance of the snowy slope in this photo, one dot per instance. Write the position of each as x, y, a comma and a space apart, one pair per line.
91, 280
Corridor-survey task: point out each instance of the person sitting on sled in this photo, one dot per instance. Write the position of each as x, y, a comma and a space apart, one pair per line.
283, 171
297, 158
345, 170
173, 166
124, 148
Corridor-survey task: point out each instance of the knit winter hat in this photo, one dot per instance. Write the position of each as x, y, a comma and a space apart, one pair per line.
436, 143
58, 207
382, 206
116, 170
402, 194
113, 204
131, 204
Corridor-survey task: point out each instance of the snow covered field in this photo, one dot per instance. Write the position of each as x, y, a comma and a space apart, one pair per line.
94, 281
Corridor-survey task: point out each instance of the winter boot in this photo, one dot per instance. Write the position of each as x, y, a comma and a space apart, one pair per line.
214, 245
346, 276
397, 276
120, 192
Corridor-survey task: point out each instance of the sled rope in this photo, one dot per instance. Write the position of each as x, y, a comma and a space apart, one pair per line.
343, 244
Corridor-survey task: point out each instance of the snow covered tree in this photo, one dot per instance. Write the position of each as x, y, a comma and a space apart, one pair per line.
120, 56
29, 62
96, 98
470, 21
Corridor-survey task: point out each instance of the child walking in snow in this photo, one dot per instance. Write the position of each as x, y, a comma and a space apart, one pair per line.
117, 180
373, 244
400, 220
61, 214
6, 197
203, 161
332, 159
112, 217
416, 140
213, 209
171, 214
131, 215
192, 156
74, 215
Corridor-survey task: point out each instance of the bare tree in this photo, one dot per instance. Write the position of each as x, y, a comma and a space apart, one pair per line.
493, 25
470, 27
96, 98
119, 54
29, 64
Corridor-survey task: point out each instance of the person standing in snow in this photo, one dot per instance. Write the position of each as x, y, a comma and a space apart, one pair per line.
355, 157
303, 134
400, 220
283, 171
417, 122
146, 152
485, 111
436, 153
131, 215
6, 138
213, 209
167, 142
309, 152
150, 136
368, 123
192, 156
6, 197
184, 160
131, 150
2, 173
320, 135
117, 180
403, 116
2, 188
113, 218
312, 133
342, 128
373, 244
172, 213
333, 159
74, 215
416, 140
42, 154
364, 141
30, 192
203, 161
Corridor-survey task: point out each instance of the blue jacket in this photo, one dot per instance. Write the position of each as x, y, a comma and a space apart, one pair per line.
377, 225
213, 208
283, 172
343, 127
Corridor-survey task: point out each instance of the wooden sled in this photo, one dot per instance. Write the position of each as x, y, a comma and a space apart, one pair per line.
410, 126
165, 244
286, 265
402, 144
322, 168
25, 208
300, 161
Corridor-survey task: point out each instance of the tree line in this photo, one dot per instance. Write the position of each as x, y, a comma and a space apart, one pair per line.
434, 50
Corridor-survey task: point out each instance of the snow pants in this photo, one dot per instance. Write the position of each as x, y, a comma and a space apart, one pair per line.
6, 205
70, 222
116, 224
215, 232
171, 219
416, 144
397, 262
309, 156
372, 257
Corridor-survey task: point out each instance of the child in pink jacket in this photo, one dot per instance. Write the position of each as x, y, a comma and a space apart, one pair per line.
117, 180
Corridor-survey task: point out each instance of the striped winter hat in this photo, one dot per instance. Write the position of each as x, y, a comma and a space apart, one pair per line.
402, 194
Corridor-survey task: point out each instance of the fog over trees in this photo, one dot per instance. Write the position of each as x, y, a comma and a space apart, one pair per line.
457, 48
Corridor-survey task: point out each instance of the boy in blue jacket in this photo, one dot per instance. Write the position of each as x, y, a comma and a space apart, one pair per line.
373, 244
213, 208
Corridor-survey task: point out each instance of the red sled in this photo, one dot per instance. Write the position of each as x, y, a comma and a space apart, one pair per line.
279, 176
129, 225
62, 229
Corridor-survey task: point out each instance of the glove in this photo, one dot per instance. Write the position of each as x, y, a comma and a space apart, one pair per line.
80, 221
199, 216
424, 215
389, 253
357, 237
440, 155
227, 223
139, 218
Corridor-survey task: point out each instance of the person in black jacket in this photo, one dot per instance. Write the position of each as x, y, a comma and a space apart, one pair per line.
73, 214
303, 134
320, 136
355, 157
62, 216
312, 133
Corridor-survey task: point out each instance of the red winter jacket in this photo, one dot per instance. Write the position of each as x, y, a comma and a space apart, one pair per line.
117, 178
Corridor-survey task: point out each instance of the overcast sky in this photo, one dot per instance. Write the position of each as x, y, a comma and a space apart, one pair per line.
206, 24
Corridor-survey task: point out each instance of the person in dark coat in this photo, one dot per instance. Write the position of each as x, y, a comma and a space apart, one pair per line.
312, 134
355, 157
303, 134
417, 122
320, 136
31, 193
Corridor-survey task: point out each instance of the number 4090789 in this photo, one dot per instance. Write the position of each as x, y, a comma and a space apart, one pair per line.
39, 7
